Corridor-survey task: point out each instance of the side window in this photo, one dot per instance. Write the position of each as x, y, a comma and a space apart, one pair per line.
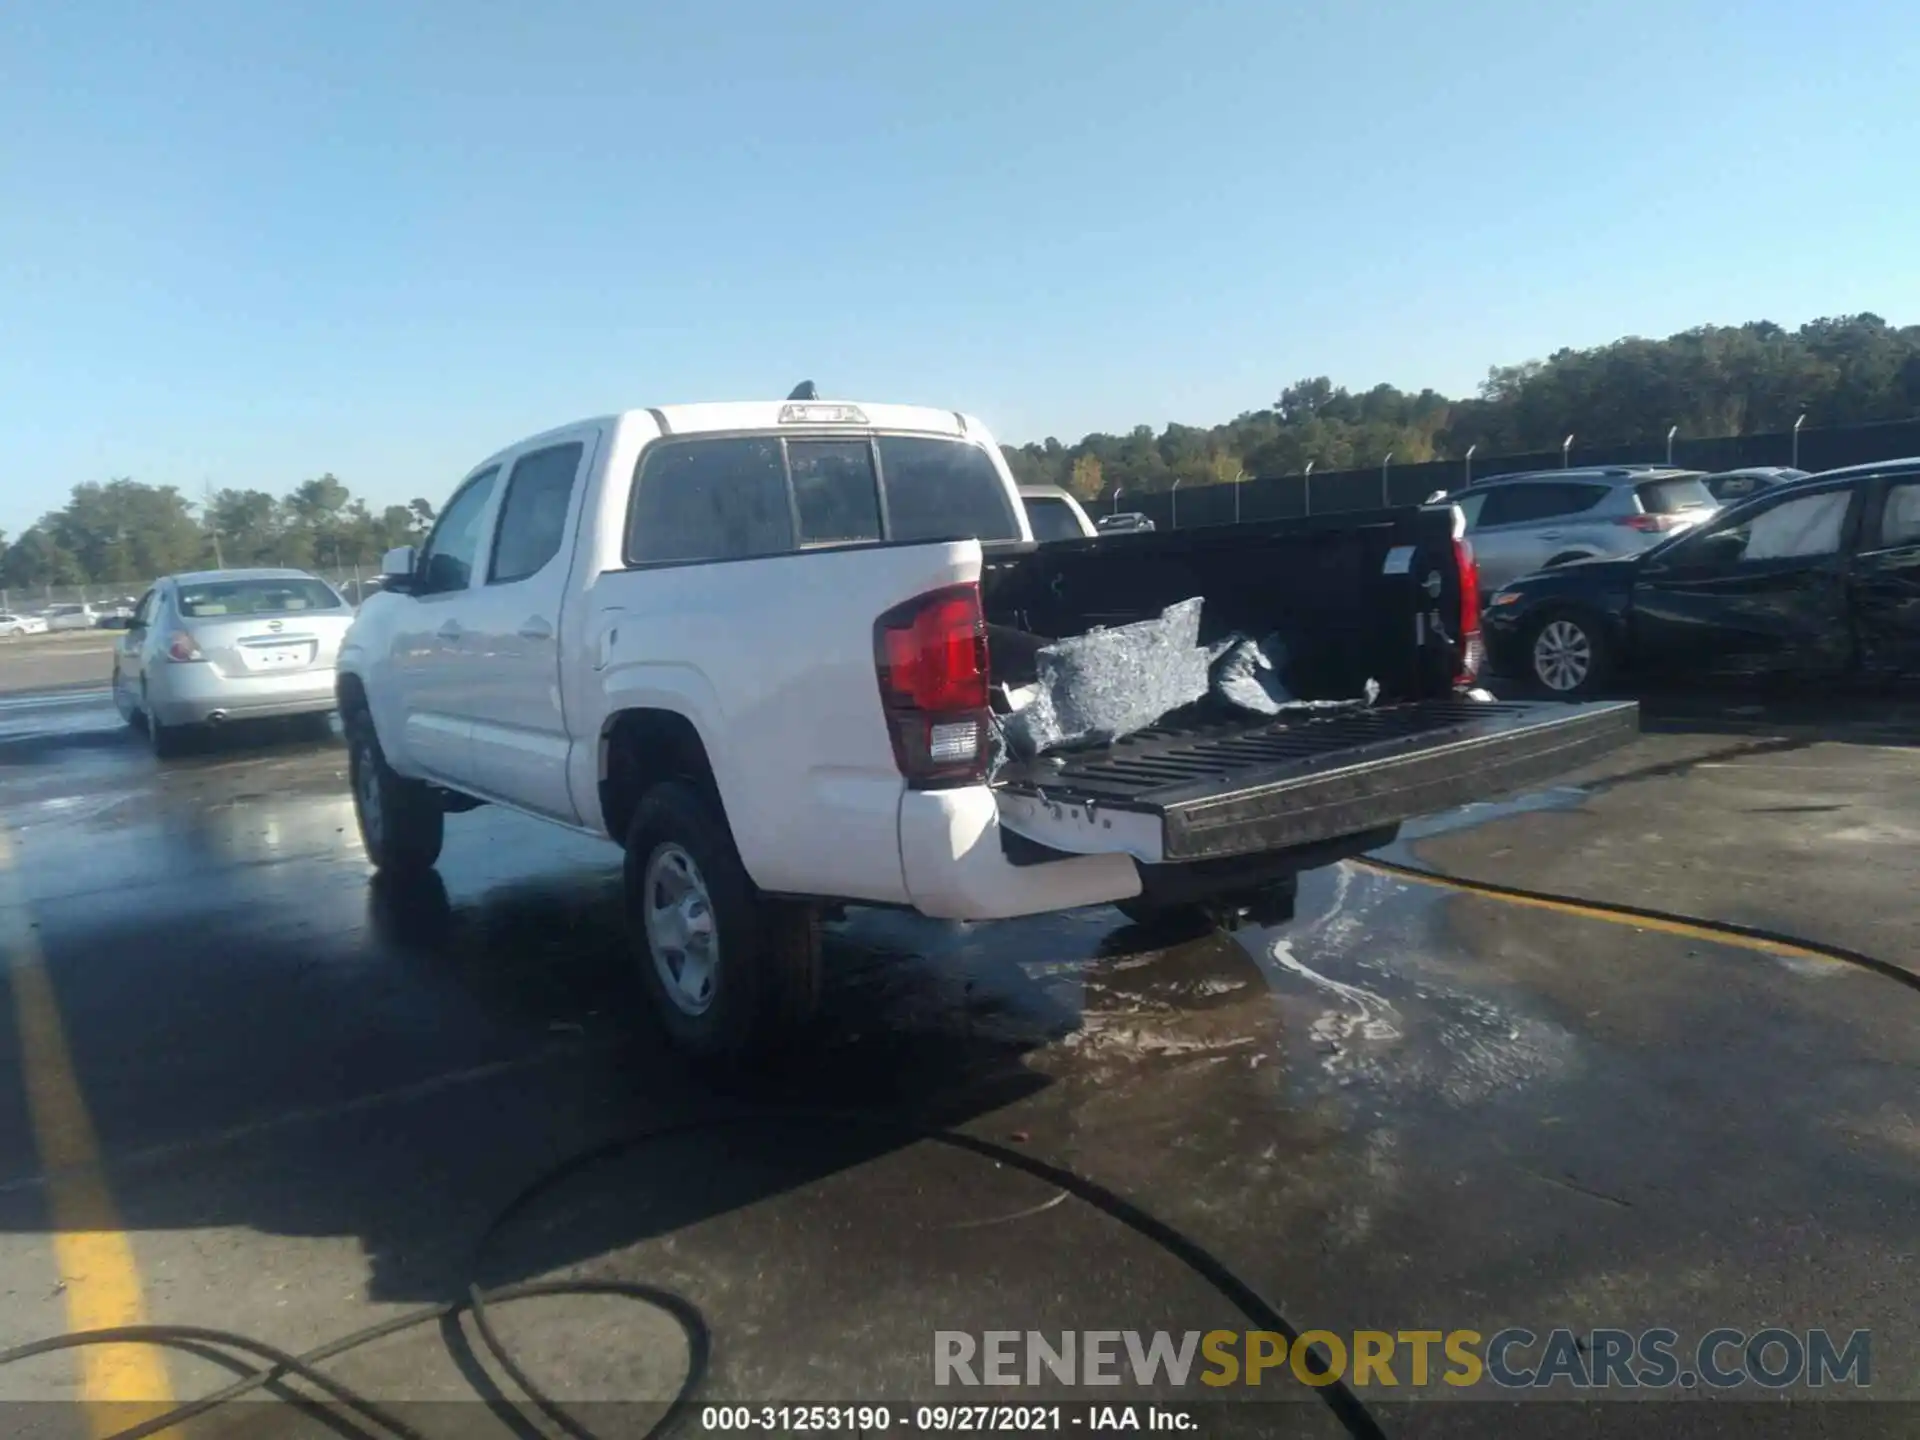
143, 612
1504, 505
1519, 504
1802, 528
1471, 505
1900, 520
834, 491
944, 490
446, 562
533, 516
723, 499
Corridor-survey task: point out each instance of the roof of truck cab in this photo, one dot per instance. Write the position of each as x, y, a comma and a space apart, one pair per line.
708, 417
725, 416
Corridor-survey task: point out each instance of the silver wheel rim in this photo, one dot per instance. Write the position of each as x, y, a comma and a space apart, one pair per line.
366, 794
1562, 656
681, 935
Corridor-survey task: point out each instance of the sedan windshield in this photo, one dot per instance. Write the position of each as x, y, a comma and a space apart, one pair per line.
256, 597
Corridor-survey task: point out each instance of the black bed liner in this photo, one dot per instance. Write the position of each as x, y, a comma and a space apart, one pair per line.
1233, 787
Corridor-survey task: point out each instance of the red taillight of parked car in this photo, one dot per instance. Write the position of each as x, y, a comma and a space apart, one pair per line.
931, 657
1472, 648
1651, 524
180, 647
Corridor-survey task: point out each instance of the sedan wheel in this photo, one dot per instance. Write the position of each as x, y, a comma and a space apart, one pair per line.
1565, 656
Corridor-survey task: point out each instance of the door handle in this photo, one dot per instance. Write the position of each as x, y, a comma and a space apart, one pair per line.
449, 630
535, 628
1549, 534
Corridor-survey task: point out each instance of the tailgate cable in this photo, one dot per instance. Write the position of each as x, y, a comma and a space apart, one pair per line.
1347, 1408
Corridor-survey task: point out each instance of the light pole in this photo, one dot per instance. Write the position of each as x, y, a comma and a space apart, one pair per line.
1306, 490
1672, 430
1566, 450
1384, 501
1470, 449
1174, 522
1796, 440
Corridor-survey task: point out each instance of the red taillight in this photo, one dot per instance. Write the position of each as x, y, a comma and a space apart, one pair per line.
1471, 647
931, 655
180, 647
1650, 524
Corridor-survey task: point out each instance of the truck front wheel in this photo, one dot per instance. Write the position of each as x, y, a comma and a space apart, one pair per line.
402, 823
732, 975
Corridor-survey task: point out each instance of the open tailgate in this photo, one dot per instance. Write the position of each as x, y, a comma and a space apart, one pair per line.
1202, 792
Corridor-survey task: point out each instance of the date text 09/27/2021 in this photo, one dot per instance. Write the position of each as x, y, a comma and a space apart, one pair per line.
943, 1419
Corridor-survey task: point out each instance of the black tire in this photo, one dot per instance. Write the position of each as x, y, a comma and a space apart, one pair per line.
317, 727
761, 958
1568, 655
402, 823
129, 711
166, 741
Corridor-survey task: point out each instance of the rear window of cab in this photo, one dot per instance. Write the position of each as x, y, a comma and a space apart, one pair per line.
736, 497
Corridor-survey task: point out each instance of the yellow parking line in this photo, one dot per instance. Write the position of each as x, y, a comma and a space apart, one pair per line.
119, 1384
1759, 944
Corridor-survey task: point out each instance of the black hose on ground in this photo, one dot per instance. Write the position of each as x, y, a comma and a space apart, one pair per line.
1339, 1398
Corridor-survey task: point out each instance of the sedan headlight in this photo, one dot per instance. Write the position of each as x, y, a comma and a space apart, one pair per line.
1505, 597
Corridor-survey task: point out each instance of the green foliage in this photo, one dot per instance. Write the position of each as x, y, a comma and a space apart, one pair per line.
1715, 380
124, 531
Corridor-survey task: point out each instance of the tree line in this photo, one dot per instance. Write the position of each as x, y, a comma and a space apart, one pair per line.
1756, 378
1750, 379
123, 531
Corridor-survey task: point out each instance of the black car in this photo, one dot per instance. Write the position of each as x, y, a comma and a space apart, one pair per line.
1817, 579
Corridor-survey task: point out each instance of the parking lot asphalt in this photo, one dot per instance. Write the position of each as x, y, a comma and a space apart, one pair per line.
242, 1087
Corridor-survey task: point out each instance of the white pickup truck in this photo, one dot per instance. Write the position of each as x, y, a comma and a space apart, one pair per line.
753, 643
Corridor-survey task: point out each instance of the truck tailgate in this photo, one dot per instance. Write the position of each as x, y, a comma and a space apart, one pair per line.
1203, 791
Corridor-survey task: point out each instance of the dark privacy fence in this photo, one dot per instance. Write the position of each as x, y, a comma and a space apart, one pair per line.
1286, 496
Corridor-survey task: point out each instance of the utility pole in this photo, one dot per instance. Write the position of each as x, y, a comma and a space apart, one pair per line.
213, 529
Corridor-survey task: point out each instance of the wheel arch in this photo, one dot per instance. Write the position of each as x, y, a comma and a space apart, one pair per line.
642, 746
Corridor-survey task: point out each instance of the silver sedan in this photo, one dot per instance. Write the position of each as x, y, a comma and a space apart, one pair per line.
220, 645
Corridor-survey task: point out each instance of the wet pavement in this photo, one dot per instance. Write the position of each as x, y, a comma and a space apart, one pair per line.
307, 1099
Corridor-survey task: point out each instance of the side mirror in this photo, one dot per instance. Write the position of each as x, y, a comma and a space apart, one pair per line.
396, 569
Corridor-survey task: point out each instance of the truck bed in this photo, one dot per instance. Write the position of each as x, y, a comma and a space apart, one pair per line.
1201, 787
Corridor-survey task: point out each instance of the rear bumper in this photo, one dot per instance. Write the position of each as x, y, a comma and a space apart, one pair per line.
196, 694
956, 867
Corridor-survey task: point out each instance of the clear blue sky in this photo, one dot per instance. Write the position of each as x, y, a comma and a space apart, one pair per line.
246, 242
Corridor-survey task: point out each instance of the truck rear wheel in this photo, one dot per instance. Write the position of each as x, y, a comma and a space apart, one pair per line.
733, 976
402, 823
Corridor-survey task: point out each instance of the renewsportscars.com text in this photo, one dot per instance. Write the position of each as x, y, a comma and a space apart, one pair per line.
1516, 1358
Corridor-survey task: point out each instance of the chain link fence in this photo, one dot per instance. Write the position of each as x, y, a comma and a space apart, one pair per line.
106, 598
